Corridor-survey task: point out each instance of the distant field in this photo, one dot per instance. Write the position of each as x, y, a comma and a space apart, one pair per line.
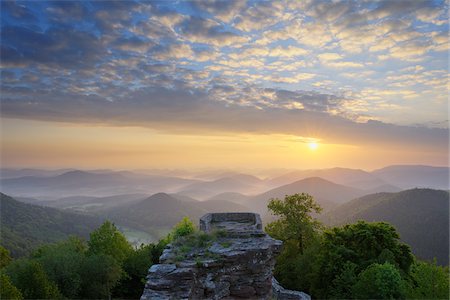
137, 237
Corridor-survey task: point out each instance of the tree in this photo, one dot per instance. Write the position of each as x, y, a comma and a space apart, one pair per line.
361, 244
5, 258
100, 274
7, 289
136, 267
30, 278
62, 263
428, 281
378, 282
295, 222
299, 232
107, 239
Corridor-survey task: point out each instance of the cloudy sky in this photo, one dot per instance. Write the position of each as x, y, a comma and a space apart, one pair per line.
250, 84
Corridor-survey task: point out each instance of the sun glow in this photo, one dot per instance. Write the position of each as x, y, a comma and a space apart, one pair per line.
313, 146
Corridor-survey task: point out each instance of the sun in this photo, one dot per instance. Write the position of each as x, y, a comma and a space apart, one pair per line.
313, 146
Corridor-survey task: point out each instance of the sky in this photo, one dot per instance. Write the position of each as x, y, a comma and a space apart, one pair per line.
215, 84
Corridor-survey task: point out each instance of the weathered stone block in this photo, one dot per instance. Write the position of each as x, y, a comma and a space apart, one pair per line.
238, 263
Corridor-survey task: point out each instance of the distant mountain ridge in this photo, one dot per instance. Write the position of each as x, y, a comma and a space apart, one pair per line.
411, 176
326, 193
421, 216
162, 211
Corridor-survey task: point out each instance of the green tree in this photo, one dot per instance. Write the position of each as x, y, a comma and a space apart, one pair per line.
99, 275
30, 278
295, 222
136, 267
107, 239
182, 228
62, 263
299, 232
7, 289
5, 258
361, 244
378, 282
428, 281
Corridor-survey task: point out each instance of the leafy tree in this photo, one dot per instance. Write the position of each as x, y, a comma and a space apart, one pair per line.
30, 278
108, 240
62, 263
295, 222
429, 281
299, 232
341, 287
361, 244
378, 282
7, 289
5, 258
99, 275
136, 267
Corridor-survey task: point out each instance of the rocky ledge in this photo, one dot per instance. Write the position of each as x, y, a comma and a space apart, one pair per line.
231, 257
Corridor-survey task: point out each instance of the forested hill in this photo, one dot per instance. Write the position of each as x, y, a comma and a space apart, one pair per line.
25, 226
421, 216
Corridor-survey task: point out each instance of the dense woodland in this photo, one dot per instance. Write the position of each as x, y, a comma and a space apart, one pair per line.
360, 260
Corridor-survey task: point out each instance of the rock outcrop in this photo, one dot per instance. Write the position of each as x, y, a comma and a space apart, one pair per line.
230, 258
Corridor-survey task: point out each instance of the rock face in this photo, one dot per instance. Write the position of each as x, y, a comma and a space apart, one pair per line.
230, 258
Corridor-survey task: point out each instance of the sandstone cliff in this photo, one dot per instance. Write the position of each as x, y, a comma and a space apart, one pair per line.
230, 258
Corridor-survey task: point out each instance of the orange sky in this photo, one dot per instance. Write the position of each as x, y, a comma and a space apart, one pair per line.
60, 145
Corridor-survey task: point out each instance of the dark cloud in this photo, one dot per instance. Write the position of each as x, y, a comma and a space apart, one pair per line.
57, 47
221, 9
181, 109
208, 31
18, 11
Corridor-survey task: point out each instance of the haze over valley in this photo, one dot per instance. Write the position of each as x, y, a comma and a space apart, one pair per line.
146, 204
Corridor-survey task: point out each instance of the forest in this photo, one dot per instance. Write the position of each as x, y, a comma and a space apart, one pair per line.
361, 260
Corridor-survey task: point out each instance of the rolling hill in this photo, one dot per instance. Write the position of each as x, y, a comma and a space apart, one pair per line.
96, 184
350, 177
26, 226
326, 193
421, 216
93, 204
238, 184
163, 211
411, 176
230, 196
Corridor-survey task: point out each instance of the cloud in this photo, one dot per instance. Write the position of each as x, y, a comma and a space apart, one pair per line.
56, 46
196, 65
224, 11
191, 111
200, 30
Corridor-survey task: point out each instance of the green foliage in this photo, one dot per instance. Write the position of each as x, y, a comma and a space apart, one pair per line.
295, 222
7, 289
299, 232
108, 240
362, 244
378, 282
99, 274
135, 266
26, 227
183, 228
5, 258
428, 281
62, 263
412, 212
30, 278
